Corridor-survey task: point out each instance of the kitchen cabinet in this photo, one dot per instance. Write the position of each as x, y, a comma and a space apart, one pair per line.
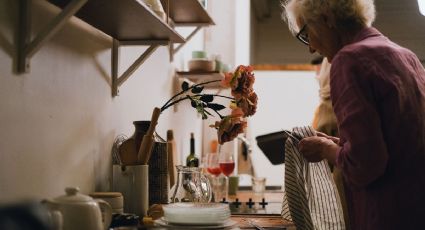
128, 22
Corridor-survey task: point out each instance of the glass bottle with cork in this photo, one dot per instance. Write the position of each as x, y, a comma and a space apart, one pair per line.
192, 160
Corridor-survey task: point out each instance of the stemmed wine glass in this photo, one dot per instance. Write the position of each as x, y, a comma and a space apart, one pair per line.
216, 180
227, 165
212, 164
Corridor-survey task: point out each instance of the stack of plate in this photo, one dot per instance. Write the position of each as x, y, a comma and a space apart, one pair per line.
196, 213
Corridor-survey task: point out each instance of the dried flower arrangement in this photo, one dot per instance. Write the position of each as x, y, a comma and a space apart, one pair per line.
243, 103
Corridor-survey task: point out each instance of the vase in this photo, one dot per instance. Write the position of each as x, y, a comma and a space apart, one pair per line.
129, 149
140, 129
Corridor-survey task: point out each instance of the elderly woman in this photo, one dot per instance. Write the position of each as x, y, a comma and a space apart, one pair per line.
378, 94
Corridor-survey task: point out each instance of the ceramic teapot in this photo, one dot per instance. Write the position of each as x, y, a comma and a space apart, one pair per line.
78, 211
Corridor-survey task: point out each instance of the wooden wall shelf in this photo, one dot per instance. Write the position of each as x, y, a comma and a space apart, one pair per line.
124, 20
128, 22
188, 13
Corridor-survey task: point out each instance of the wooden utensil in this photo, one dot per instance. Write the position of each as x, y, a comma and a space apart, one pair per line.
170, 151
147, 141
127, 152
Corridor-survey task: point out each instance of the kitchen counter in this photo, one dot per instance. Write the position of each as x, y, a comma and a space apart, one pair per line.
265, 213
245, 217
243, 222
264, 221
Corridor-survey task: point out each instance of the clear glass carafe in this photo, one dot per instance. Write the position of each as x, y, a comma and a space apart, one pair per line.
191, 186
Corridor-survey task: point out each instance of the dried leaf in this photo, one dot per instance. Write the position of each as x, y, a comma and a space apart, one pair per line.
185, 86
215, 106
193, 104
207, 98
197, 89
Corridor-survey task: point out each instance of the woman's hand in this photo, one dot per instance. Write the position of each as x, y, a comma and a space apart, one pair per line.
334, 139
317, 148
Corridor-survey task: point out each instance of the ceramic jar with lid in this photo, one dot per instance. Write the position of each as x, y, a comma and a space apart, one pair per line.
114, 199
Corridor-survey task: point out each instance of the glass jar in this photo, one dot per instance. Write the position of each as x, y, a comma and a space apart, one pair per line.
191, 186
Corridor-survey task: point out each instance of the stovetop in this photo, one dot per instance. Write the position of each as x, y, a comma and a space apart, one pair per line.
272, 208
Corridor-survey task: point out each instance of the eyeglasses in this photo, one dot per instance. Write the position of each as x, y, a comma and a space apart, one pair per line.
303, 35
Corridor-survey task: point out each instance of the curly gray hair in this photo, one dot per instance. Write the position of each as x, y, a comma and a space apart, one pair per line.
341, 12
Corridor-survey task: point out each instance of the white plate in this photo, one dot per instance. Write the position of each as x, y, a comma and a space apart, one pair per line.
227, 224
196, 213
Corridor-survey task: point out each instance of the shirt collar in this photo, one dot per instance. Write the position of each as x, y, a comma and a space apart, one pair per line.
366, 33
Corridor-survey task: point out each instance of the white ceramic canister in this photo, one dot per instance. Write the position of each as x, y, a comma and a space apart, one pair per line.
114, 199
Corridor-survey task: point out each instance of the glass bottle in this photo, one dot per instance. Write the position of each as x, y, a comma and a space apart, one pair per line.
192, 160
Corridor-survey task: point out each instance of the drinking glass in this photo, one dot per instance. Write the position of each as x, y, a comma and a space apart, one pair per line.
227, 165
258, 186
212, 164
226, 162
215, 177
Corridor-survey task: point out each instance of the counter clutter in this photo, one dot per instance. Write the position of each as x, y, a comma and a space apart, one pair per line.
136, 157
218, 215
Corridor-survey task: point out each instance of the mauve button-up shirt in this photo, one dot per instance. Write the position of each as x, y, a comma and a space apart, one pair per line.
378, 94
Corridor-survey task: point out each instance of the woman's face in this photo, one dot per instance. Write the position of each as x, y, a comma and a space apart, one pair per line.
322, 38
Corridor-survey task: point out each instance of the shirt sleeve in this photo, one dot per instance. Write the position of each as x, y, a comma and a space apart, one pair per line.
363, 155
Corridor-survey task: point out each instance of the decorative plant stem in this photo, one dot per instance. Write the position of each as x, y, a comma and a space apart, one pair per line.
196, 95
243, 102
166, 105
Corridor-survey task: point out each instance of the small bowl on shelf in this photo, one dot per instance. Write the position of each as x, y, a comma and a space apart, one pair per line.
201, 65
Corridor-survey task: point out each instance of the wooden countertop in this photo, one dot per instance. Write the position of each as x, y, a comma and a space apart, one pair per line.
274, 222
262, 220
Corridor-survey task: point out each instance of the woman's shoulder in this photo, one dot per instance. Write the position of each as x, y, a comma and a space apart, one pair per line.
371, 46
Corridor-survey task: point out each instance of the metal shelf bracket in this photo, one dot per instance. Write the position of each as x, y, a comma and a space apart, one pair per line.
27, 48
117, 81
176, 49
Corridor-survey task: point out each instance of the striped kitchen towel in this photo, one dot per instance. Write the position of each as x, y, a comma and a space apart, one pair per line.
311, 198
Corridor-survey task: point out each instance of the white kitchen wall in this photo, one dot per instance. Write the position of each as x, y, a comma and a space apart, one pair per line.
58, 122
285, 99
183, 112
229, 38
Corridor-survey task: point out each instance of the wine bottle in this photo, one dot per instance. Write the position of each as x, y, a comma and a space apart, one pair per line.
192, 160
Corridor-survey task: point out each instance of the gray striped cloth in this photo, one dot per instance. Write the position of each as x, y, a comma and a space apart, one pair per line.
311, 198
